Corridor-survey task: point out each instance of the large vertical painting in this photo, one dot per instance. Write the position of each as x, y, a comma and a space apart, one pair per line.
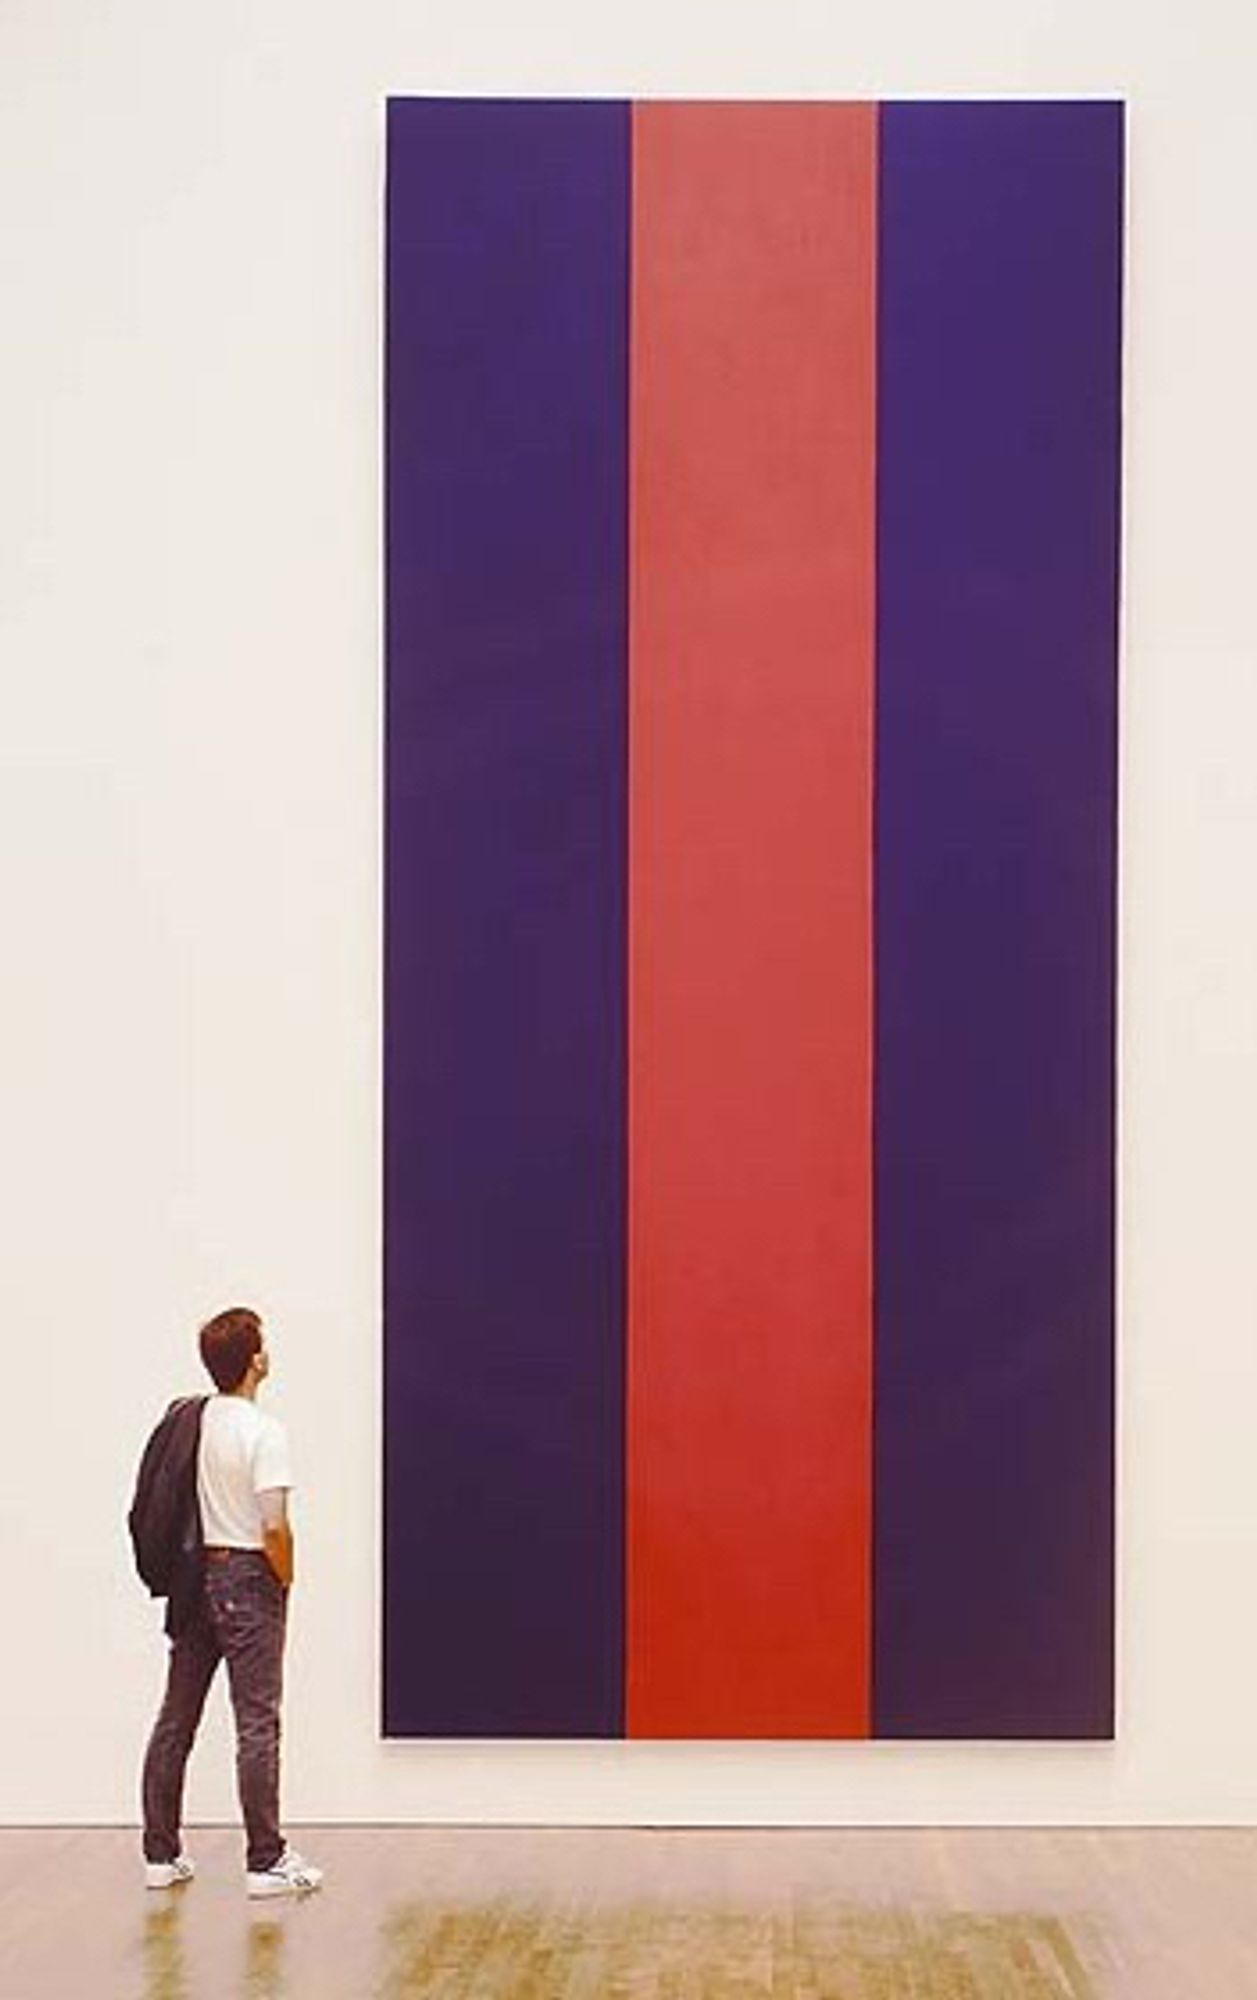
752, 601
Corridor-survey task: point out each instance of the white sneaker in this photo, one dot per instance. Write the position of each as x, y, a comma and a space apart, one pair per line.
165, 1874
291, 1876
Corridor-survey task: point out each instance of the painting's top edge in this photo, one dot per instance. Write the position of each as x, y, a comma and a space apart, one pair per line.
1101, 99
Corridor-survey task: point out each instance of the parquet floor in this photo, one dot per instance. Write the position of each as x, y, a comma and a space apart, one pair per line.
649, 1915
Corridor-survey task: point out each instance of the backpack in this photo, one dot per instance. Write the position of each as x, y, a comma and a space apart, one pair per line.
164, 1519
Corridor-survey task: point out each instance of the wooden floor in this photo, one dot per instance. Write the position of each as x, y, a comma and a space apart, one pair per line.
619, 1915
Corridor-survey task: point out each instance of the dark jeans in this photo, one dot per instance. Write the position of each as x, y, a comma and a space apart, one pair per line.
242, 1619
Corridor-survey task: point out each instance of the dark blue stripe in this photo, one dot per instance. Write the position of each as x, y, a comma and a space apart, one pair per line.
999, 338
504, 1056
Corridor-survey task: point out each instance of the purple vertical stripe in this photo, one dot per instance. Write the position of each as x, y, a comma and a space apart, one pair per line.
505, 978
999, 336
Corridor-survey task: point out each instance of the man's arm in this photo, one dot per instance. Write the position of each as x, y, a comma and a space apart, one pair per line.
277, 1533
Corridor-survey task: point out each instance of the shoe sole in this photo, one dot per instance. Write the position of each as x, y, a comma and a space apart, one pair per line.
264, 1892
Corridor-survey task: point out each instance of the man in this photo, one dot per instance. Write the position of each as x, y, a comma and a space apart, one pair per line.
242, 1483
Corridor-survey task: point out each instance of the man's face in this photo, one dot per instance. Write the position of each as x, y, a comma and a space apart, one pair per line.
262, 1362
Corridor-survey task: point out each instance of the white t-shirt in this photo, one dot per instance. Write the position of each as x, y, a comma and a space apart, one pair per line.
244, 1452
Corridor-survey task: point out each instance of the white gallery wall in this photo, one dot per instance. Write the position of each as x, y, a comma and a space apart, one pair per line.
190, 713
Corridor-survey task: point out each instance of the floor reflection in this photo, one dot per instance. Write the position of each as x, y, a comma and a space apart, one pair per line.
163, 1954
502, 1949
161, 1949
512, 1947
264, 1960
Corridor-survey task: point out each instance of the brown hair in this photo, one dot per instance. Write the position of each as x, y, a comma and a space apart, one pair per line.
229, 1342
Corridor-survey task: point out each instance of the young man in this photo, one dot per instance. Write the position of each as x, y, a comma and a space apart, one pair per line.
242, 1482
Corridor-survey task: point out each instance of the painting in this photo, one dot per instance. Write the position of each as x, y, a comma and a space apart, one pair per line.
752, 560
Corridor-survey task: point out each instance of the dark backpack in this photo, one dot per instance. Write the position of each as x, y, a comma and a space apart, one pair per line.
164, 1518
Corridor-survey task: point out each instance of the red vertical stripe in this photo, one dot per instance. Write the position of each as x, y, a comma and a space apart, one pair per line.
751, 669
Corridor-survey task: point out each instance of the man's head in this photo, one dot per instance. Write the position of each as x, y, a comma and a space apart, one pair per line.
233, 1349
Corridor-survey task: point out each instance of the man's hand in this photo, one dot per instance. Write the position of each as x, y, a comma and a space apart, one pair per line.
276, 1533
